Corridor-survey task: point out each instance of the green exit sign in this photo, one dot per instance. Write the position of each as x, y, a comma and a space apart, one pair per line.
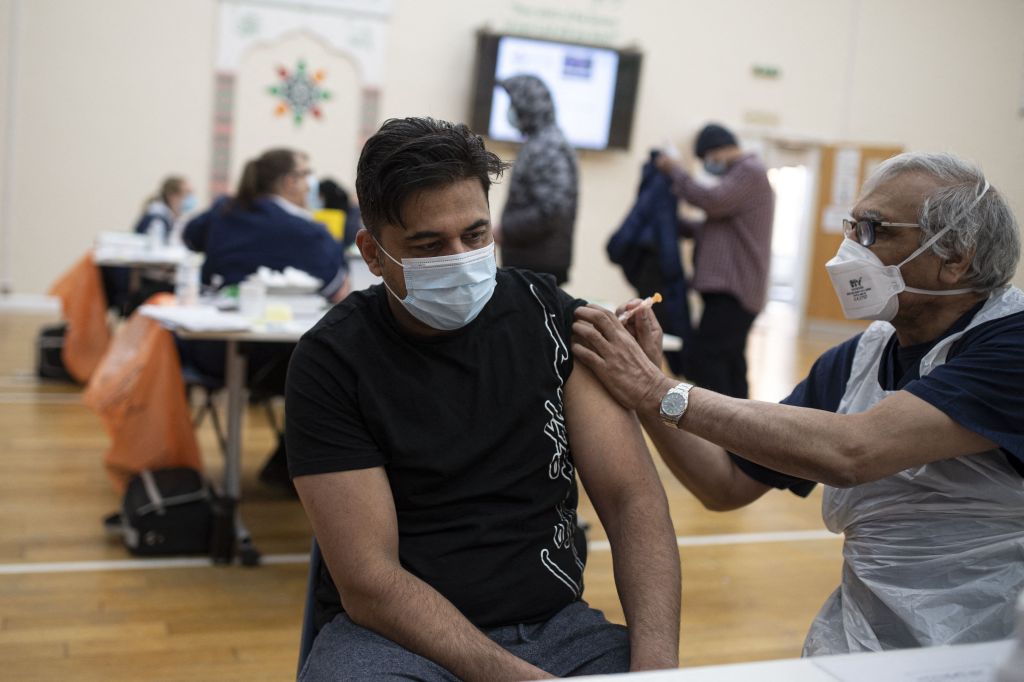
765, 71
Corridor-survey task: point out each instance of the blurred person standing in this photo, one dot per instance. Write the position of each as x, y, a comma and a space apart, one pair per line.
731, 257
539, 217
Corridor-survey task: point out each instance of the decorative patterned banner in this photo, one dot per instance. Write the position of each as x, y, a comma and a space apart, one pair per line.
299, 92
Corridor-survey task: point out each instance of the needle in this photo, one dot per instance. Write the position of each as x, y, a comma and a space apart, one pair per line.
646, 303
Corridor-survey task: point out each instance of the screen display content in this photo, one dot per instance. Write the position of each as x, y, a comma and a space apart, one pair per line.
581, 81
593, 88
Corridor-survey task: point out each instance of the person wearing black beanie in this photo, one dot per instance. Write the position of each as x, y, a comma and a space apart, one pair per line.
731, 258
712, 137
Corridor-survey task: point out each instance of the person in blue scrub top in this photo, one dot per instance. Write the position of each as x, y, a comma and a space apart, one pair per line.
267, 223
162, 211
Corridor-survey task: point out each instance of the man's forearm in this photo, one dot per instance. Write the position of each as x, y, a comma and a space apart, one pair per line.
646, 563
811, 444
705, 469
414, 615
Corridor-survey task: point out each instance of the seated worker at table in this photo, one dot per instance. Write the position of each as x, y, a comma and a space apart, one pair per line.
264, 224
914, 426
162, 213
436, 423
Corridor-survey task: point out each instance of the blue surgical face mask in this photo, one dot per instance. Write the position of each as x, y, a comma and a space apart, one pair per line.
447, 292
513, 118
313, 202
715, 167
188, 204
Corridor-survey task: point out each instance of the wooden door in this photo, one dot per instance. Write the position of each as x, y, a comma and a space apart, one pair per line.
842, 171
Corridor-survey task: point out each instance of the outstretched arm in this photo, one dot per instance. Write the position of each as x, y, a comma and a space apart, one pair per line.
622, 482
353, 516
841, 450
721, 200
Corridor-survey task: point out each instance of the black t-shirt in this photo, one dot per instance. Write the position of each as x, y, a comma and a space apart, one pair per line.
980, 386
469, 427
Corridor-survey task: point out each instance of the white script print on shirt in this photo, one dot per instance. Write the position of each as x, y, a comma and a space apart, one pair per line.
561, 465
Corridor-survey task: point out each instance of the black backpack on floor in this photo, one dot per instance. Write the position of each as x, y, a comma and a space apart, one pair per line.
49, 345
165, 512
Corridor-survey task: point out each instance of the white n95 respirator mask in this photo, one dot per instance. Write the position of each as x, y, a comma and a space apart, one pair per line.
866, 288
447, 292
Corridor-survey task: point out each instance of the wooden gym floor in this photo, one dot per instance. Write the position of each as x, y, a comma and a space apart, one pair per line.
73, 605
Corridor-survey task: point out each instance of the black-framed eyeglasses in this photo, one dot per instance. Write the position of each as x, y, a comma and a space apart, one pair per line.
864, 230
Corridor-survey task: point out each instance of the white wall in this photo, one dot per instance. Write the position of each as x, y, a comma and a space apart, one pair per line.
113, 95
6, 7
116, 93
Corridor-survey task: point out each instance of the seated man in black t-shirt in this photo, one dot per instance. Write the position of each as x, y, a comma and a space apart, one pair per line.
914, 426
435, 427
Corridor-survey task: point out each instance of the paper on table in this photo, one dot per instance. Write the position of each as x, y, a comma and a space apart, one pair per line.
197, 318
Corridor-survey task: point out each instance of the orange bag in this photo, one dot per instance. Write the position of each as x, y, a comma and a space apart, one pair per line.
84, 304
138, 392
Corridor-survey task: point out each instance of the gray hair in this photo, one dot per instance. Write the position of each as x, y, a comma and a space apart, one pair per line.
982, 223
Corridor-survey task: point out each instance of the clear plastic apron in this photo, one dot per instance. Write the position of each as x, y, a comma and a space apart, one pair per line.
933, 554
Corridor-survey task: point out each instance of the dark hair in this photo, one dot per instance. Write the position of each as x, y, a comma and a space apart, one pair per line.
333, 195
411, 154
173, 184
712, 137
261, 174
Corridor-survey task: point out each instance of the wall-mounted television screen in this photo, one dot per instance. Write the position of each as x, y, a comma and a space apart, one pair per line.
594, 88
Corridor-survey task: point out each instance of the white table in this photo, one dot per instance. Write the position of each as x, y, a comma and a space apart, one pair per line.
962, 663
134, 251
201, 324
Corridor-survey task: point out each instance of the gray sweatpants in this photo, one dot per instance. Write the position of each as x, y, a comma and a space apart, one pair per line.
575, 641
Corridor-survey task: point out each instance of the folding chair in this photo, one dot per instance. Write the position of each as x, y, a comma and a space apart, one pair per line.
209, 385
309, 630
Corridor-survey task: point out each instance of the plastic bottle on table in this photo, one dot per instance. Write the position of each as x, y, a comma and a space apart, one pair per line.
157, 233
1012, 669
186, 280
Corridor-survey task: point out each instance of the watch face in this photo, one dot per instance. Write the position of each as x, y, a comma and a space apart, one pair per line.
673, 403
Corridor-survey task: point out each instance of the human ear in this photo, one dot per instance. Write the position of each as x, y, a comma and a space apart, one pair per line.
954, 268
371, 254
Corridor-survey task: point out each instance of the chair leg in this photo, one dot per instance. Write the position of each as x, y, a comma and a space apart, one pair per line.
222, 439
200, 415
268, 405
